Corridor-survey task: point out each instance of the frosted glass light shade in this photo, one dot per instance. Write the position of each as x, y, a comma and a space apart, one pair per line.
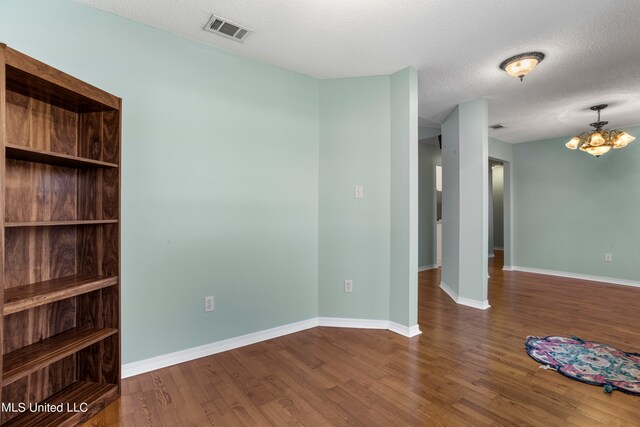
597, 151
622, 140
573, 143
596, 139
521, 67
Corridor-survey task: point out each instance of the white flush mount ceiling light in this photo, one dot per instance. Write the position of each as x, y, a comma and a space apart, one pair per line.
522, 64
599, 141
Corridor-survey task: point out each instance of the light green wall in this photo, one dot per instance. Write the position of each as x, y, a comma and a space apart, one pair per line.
450, 272
354, 233
465, 167
220, 175
572, 208
404, 198
503, 151
428, 157
500, 150
368, 137
226, 185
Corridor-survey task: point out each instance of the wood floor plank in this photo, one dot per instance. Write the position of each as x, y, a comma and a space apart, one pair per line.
468, 368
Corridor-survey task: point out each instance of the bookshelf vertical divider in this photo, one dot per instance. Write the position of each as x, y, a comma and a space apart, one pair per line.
59, 244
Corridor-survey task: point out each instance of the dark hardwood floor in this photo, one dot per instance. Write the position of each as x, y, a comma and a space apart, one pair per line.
468, 368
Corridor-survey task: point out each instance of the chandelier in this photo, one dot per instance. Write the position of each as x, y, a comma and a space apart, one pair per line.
598, 141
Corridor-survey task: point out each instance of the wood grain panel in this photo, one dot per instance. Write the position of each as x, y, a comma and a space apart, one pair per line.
35, 254
66, 223
39, 385
90, 251
89, 310
30, 326
100, 309
32, 295
111, 136
64, 131
15, 393
18, 176
26, 360
3, 142
45, 81
40, 125
37, 192
97, 396
110, 250
110, 363
90, 194
19, 152
17, 119
64, 189
50, 128
90, 136
110, 193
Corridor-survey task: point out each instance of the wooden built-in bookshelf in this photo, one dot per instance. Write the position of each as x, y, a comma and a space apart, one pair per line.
60, 243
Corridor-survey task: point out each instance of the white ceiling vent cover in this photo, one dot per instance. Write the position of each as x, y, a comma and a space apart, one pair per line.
225, 28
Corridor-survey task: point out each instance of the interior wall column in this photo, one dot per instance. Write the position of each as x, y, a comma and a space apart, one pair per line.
465, 205
403, 283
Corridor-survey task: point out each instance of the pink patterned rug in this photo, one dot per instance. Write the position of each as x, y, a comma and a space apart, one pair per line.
589, 362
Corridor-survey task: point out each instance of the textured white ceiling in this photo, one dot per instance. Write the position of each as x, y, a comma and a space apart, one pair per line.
592, 48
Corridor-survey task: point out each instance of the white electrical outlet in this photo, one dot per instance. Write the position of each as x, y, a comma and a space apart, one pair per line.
208, 303
359, 192
608, 257
348, 286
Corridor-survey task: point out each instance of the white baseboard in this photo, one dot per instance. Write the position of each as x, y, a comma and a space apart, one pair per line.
498, 248
158, 362
611, 280
407, 331
507, 268
165, 360
340, 322
427, 267
482, 305
491, 255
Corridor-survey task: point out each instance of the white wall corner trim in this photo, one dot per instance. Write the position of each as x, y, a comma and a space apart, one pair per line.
482, 305
165, 360
407, 331
427, 267
610, 280
452, 294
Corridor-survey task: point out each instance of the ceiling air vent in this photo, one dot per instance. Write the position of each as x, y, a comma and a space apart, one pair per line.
498, 126
225, 28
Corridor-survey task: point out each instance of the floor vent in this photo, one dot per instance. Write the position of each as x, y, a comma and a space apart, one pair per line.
498, 126
225, 28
